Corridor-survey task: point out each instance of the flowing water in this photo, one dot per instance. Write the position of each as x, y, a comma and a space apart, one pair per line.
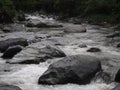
26, 76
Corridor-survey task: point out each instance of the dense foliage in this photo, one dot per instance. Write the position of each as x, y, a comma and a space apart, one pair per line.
102, 10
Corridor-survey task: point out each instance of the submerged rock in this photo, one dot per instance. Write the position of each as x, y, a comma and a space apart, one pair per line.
9, 87
5, 44
75, 29
117, 77
94, 49
74, 69
11, 51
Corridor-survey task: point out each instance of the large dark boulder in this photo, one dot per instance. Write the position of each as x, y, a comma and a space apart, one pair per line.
74, 69
94, 49
117, 87
5, 44
9, 87
11, 51
117, 77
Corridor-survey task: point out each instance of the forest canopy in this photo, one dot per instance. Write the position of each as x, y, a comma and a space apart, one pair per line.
105, 9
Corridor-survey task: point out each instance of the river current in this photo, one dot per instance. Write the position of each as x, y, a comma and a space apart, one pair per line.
26, 76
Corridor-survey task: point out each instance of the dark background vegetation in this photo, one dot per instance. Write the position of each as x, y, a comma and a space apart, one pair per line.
100, 10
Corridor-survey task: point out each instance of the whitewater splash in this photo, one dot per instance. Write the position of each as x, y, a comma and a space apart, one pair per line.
41, 18
27, 79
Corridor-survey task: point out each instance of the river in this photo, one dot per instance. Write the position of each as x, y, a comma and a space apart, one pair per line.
26, 76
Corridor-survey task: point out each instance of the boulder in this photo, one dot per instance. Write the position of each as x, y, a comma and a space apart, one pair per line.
41, 55
83, 46
94, 49
51, 51
78, 69
9, 87
117, 77
26, 61
40, 24
13, 27
11, 51
35, 23
1, 31
21, 17
118, 45
5, 44
75, 21
116, 34
117, 87
102, 76
75, 28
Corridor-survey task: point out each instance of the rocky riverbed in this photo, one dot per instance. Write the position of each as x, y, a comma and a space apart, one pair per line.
50, 41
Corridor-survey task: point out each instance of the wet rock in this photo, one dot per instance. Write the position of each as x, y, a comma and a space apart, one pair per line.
7, 29
75, 21
94, 49
21, 17
5, 44
1, 27
41, 55
58, 44
11, 51
117, 87
52, 51
117, 77
102, 77
83, 46
27, 61
13, 27
116, 34
35, 23
39, 24
75, 29
9, 87
118, 45
78, 69
1, 31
